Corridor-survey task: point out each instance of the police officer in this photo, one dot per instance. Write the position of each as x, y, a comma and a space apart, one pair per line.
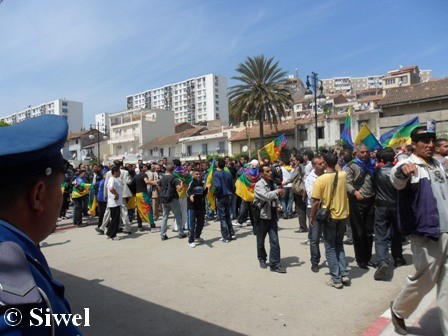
31, 173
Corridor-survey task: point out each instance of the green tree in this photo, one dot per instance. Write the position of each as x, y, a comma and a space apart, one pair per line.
260, 94
3, 124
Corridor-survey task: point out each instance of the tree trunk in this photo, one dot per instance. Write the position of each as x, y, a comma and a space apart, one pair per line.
260, 121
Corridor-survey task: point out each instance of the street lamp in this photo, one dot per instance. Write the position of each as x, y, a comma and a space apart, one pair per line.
98, 139
311, 94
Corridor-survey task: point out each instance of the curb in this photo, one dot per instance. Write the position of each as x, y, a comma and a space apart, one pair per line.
379, 325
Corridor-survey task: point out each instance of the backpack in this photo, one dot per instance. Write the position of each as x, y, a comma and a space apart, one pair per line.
298, 185
168, 191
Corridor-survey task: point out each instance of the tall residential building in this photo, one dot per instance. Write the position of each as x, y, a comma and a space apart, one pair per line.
70, 110
194, 100
102, 122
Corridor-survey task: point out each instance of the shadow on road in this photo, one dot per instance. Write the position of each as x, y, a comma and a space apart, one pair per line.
116, 313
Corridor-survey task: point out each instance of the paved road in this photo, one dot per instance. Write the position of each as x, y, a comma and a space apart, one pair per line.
143, 286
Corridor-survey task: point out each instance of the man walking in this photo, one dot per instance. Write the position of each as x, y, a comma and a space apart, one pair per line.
224, 189
267, 200
423, 216
331, 193
386, 225
114, 202
315, 231
170, 186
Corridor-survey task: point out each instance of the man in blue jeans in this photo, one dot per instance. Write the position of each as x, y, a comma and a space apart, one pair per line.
333, 198
173, 205
224, 189
315, 231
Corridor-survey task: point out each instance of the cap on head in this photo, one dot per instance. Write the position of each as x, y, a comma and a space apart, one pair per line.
421, 133
32, 147
254, 163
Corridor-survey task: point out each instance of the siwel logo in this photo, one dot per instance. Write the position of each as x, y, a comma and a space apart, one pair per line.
39, 317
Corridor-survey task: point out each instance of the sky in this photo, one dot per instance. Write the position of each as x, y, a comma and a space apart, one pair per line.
99, 51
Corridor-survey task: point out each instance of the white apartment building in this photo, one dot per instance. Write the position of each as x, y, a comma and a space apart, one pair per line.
102, 122
194, 100
351, 84
131, 129
71, 110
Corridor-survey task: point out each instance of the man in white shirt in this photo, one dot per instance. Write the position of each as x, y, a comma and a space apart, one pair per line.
114, 202
315, 231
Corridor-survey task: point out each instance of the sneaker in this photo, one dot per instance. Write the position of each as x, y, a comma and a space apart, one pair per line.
192, 244
263, 264
182, 236
398, 322
331, 283
233, 237
305, 242
381, 271
198, 240
346, 281
225, 240
101, 232
142, 229
315, 268
174, 230
164, 237
116, 238
237, 224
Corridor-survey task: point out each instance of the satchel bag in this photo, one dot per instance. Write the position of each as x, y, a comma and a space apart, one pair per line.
298, 185
323, 214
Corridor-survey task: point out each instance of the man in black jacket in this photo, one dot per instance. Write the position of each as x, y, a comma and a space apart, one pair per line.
386, 217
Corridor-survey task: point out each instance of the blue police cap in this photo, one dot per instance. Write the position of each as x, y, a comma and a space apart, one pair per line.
32, 147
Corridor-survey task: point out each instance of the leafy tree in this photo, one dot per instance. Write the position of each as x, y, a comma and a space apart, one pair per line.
3, 124
260, 94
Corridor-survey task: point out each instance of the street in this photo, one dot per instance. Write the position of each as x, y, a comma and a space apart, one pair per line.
143, 286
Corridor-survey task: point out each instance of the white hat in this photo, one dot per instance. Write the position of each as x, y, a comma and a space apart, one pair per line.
254, 163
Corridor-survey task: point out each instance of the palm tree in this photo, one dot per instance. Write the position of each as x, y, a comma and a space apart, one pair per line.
261, 94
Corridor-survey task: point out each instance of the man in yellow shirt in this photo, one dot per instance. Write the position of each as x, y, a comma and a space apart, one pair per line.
335, 198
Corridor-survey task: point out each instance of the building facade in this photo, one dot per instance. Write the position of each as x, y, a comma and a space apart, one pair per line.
131, 129
70, 110
194, 100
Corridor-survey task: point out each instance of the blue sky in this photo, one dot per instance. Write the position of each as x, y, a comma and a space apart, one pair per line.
98, 52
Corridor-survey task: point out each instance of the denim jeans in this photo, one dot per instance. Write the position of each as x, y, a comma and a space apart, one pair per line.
287, 201
196, 220
173, 206
386, 226
223, 208
334, 248
302, 212
233, 214
245, 211
270, 227
314, 234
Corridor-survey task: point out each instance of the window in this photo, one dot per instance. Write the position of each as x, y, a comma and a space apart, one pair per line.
64, 103
303, 134
64, 110
161, 152
189, 150
320, 133
221, 146
341, 128
204, 149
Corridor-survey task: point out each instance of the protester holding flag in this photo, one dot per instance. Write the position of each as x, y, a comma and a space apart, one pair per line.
185, 178
245, 185
273, 149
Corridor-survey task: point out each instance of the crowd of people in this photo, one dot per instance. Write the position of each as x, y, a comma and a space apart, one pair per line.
372, 199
